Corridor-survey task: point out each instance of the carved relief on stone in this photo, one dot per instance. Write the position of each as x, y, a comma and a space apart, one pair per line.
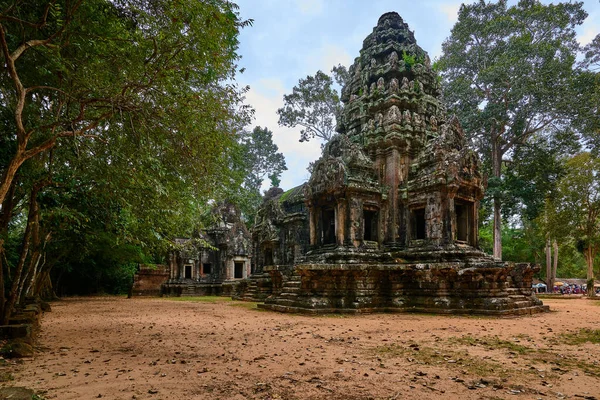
394, 115
357, 71
394, 59
371, 125
365, 90
427, 61
404, 84
402, 170
379, 120
394, 85
373, 63
411, 86
433, 123
353, 97
406, 117
373, 88
417, 122
381, 85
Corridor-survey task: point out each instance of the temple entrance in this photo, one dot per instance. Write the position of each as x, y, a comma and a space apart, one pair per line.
418, 223
238, 270
188, 272
328, 225
464, 218
370, 218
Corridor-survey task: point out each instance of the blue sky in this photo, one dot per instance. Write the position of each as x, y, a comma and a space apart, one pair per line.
291, 39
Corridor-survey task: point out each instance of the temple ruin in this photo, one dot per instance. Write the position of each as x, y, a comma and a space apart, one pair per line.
388, 219
212, 261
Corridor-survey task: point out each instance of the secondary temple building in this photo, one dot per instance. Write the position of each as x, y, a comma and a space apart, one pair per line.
213, 260
388, 218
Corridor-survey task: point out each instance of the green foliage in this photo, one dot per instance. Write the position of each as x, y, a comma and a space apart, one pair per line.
409, 60
127, 153
508, 75
574, 213
314, 105
522, 244
258, 158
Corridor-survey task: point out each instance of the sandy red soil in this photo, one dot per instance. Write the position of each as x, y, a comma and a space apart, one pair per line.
115, 348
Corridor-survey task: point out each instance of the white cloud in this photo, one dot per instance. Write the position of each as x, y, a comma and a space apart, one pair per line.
450, 11
310, 7
589, 33
266, 96
325, 57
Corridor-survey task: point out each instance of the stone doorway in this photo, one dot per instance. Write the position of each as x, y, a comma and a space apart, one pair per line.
238, 270
328, 224
370, 218
188, 272
418, 224
464, 222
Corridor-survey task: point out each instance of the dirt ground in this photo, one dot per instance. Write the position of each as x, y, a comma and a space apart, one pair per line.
215, 348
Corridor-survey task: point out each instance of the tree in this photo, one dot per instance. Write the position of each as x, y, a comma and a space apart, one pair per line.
314, 105
507, 74
575, 212
586, 103
179, 58
260, 159
99, 146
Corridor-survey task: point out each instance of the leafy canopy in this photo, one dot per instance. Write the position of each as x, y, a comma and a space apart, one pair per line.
314, 105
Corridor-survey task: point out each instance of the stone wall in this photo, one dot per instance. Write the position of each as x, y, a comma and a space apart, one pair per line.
149, 279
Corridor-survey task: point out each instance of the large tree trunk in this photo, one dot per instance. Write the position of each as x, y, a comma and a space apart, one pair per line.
549, 282
32, 220
497, 171
5, 217
554, 262
589, 260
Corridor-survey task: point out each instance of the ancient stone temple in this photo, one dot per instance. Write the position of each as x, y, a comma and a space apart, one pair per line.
214, 260
388, 219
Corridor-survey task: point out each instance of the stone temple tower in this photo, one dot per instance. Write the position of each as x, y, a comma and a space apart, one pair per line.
412, 182
390, 209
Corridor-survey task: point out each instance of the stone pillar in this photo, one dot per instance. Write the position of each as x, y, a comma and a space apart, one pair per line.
355, 216
340, 221
475, 224
312, 221
392, 179
449, 215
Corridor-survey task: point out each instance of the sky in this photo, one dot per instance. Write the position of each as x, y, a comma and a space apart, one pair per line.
291, 39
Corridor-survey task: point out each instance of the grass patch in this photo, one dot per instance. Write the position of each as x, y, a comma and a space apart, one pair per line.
6, 376
492, 343
443, 357
201, 299
584, 335
250, 305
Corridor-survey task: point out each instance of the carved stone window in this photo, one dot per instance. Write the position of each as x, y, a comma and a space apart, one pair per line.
370, 218
206, 268
328, 226
268, 256
238, 270
464, 221
418, 223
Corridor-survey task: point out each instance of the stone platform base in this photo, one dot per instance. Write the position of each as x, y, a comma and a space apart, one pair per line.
257, 287
488, 288
194, 288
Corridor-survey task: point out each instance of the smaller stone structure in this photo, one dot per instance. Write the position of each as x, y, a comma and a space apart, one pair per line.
148, 280
214, 260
